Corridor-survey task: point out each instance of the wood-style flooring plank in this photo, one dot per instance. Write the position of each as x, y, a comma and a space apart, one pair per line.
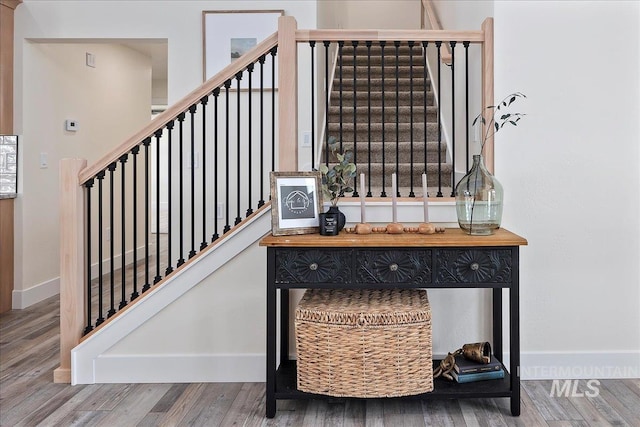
246, 401
182, 404
137, 404
552, 408
442, 413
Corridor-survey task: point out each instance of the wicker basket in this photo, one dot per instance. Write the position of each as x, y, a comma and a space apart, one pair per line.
364, 343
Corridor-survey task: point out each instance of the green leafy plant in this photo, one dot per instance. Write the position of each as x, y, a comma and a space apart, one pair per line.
499, 118
338, 179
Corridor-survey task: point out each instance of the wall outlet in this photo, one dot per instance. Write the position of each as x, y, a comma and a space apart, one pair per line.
91, 60
219, 210
107, 232
306, 139
44, 160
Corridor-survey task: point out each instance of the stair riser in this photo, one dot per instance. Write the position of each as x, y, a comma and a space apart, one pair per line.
390, 117
376, 84
362, 98
362, 71
390, 60
361, 49
405, 155
404, 132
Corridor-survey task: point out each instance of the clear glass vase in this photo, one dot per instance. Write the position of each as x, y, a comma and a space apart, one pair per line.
479, 198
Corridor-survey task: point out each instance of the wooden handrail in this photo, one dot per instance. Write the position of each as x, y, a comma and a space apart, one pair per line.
172, 112
393, 35
430, 12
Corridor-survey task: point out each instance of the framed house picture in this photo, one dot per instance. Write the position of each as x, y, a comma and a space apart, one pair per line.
296, 202
229, 34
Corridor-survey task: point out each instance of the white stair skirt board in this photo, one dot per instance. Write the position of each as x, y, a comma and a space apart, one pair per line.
180, 368
84, 357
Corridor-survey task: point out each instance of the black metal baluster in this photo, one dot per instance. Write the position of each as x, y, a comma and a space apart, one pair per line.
326, 104
227, 227
238, 127
411, 193
273, 107
123, 216
397, 46
466, 102
312, 43
438, 44
181, 117
453, 115
112, 309
261, 61
158, 135
88, 186
424, 101
192, 111
134, 203
249, 140
355, 118
340, 46
203, 162
368, 43
169, 269
147, 283
383, 193
100, 319
216, 94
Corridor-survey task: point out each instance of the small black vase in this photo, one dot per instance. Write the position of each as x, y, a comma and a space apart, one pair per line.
331, 222
342, 220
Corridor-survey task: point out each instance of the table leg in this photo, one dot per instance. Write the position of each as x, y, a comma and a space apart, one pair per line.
497, 323
514, 337
284, 325
271, 337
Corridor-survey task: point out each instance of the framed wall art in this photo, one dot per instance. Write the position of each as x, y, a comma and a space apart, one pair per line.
228, 34
296, 202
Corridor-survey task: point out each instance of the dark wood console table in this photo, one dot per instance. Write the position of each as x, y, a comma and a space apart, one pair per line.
448, 260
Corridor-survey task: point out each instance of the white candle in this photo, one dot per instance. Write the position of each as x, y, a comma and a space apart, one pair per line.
362, 219
424, 197
394, 197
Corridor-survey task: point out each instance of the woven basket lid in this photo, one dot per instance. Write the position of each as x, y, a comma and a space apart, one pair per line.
364, 307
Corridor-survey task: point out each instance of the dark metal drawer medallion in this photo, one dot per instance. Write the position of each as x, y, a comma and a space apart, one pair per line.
393, 266
473, 266
313, 266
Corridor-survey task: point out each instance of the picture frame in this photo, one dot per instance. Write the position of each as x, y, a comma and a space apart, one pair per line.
227, 34
296, 202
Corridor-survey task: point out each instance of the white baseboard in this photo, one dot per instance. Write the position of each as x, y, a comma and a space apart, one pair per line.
21, 299
180, 368
117, 260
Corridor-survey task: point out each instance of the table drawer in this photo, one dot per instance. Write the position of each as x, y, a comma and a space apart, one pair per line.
393, 266
473, 266
313, 265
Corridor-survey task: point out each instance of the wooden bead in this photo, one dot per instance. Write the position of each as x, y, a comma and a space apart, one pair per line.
363, 228
395, 228
426, 228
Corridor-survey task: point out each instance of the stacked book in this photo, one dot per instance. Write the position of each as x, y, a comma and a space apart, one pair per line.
467, 371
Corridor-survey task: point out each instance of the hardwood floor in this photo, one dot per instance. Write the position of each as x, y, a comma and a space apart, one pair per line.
29, 351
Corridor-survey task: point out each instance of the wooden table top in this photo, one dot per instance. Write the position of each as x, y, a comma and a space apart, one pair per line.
452, 237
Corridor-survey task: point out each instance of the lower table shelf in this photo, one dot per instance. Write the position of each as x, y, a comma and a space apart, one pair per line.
286, 380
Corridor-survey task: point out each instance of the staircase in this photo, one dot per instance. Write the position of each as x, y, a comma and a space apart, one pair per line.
377, 110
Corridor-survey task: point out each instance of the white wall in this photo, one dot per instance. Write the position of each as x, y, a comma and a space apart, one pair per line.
56, 85
570, 173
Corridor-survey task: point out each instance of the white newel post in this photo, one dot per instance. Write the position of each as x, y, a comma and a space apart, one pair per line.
287, 94
72, 263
